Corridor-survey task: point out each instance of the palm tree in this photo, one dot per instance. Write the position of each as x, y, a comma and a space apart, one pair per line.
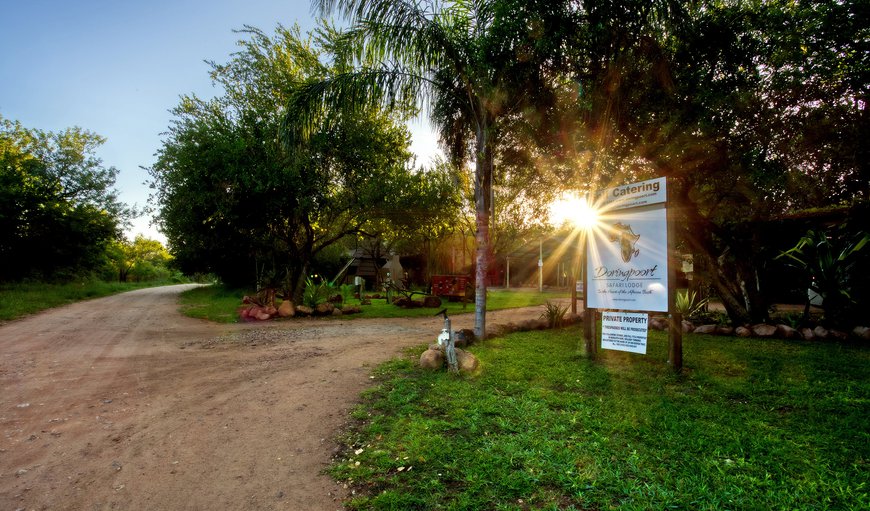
471, 62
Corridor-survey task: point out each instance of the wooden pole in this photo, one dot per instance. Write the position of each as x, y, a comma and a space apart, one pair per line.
589, 315
675, 330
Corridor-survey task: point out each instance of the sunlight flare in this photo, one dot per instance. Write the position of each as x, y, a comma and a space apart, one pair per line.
573, 210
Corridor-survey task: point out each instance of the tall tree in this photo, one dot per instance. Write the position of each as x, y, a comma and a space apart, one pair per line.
235, 202
754, 109
58, 207
475, 64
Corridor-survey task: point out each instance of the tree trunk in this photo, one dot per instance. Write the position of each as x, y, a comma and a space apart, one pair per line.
482, 203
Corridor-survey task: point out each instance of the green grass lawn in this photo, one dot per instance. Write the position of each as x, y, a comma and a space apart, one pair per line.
21, 299
219, 303
752, 424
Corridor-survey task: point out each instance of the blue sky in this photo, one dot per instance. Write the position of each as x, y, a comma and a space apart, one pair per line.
116, 68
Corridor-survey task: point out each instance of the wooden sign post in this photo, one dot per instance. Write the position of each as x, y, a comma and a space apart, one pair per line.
629, 266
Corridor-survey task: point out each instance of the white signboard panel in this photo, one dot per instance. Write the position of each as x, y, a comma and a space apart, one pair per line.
645, 193
627, 261
624, 331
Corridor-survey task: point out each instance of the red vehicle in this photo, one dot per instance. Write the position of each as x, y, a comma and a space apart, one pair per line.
451, 286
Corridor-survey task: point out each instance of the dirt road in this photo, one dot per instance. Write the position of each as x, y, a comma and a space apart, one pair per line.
122, 403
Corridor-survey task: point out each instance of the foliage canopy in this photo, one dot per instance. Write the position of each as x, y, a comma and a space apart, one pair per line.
234, 200
58, 207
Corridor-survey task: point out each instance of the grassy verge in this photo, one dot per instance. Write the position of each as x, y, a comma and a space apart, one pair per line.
496, 299
753, 424
215, 303
219, 303
21, 299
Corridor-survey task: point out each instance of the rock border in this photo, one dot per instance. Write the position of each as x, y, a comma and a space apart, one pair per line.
767, 331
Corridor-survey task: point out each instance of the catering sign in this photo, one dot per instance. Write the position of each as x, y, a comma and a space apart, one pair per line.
645, 193
627, 258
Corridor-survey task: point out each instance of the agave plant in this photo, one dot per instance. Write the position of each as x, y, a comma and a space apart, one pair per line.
316, 293
688, 304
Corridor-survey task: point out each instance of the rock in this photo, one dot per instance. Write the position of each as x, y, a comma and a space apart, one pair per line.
807, 334
324, 309
466, 361
658, 324
303, 310
786, 332
688, 327
724, 330
270, 310
571, 319
255, 313
706, 329
527, 325
435, 346
287, 309
245, 314
351, 309
763, 330
820, 332
336, 312
365, 301
336, 299
432, 359
838, 335
247, 299
742, 331
401, 301
463, 338
431, 302
861, 332
416, 304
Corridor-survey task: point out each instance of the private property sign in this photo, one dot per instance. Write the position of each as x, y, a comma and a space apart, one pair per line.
627, 261
624, 331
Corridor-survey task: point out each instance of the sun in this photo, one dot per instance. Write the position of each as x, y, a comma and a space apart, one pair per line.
573, 210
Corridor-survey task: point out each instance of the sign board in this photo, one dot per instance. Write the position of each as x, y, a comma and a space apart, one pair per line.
627, 261
635, 195
624, 331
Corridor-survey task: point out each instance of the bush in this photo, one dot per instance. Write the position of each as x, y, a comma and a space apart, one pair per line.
554, 314
688, 304
316, 293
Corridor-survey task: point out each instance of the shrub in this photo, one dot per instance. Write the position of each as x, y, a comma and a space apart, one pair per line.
688, 305
554, 314
316, 293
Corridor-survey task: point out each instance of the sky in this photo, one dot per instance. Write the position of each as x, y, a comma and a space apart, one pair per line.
116, 68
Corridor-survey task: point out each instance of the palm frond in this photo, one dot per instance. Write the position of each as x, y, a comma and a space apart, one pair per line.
320, 104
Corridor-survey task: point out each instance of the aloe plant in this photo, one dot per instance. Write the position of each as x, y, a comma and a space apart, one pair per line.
316, 293
688, 304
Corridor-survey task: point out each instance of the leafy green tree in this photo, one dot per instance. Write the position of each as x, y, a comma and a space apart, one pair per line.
58, 207
755, 110
476, 64
141, 259
234, 201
